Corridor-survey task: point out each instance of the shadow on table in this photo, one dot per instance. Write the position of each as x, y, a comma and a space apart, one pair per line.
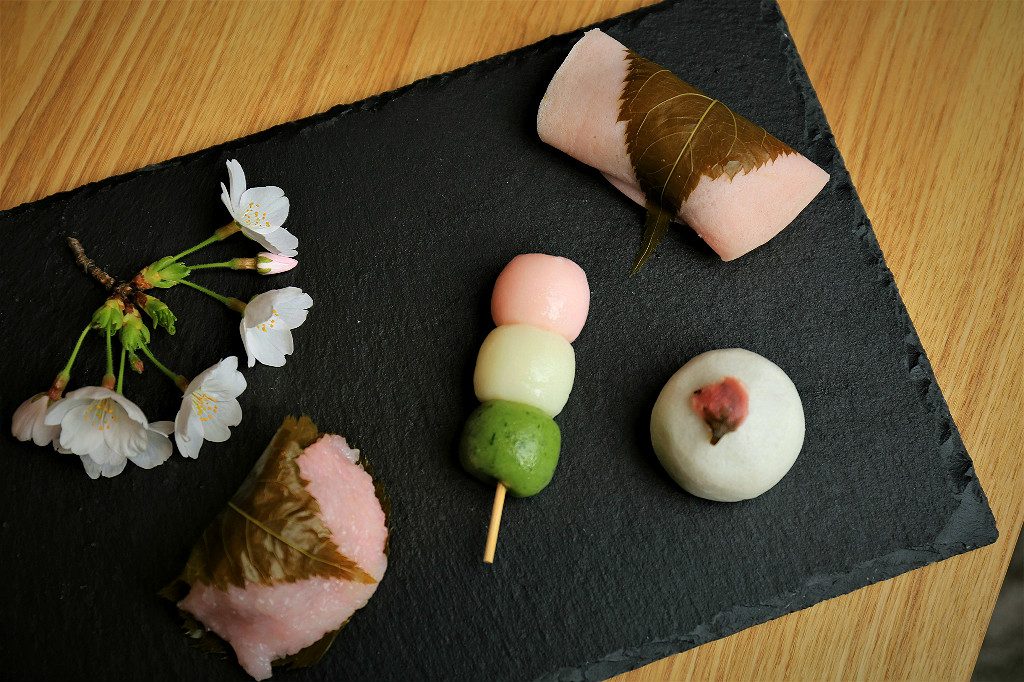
1002, 654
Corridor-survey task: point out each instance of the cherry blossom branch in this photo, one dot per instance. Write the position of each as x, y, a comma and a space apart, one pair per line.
265, 332
89, 266
122, 290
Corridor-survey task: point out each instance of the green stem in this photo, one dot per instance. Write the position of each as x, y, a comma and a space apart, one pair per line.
108, 378
74, 353
60, 382
232, 303
120, 371
110, 353
180, 381
201, 245
222, 264
222, 233
208, 292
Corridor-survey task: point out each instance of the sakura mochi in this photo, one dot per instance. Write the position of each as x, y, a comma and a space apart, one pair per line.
728, 425
298, 550
525, 364
545, 291
683, 155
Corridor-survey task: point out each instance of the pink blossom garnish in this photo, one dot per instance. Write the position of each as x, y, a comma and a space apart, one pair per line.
723, 406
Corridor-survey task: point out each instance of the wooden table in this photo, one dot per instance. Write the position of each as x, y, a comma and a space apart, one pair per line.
926, 101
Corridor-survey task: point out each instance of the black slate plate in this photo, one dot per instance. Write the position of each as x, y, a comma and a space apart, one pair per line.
408, 205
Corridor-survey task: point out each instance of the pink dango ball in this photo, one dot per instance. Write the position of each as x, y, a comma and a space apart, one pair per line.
544, 291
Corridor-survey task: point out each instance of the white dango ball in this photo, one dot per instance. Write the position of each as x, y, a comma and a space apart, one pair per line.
525, 364
700, 402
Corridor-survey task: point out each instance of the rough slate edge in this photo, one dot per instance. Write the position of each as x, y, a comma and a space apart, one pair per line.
971, 525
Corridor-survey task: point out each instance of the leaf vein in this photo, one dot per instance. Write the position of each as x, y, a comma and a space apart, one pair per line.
266, 529
668, 180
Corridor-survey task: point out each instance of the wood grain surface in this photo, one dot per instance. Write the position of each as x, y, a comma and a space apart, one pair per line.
926, 101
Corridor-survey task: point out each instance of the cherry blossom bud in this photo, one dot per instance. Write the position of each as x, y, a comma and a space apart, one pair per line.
273, 264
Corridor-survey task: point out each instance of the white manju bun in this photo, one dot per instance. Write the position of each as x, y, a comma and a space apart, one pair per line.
745, 462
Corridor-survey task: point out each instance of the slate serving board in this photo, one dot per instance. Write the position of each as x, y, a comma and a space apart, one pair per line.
407, 205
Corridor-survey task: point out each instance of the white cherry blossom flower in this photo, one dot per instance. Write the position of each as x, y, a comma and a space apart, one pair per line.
158, 451
209, 407
267, 323
28, 423
259, 211
107, 431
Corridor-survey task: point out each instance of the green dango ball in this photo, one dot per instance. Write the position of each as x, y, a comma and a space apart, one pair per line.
513, 443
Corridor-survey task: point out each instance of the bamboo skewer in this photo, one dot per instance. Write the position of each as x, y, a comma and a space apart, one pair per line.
492, 529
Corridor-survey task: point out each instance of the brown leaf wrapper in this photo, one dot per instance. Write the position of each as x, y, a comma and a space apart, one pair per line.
675, 135
270, 532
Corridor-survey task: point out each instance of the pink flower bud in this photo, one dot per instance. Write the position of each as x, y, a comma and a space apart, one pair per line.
273, 264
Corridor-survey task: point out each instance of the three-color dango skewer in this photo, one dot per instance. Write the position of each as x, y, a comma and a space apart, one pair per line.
524, 373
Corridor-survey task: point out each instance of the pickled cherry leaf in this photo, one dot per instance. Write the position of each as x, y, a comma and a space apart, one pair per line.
271, 531
656, 225
675, 135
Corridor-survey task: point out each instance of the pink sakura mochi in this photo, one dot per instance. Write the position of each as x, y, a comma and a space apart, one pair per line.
264, 623
544, 291
580, 114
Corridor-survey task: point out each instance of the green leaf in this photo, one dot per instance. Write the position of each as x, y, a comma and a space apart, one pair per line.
134, 333
171, 275
675, 135
109, 316
165, 273
160, 314
272, 530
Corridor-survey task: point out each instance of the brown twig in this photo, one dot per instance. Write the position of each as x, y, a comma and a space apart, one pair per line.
89, 267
